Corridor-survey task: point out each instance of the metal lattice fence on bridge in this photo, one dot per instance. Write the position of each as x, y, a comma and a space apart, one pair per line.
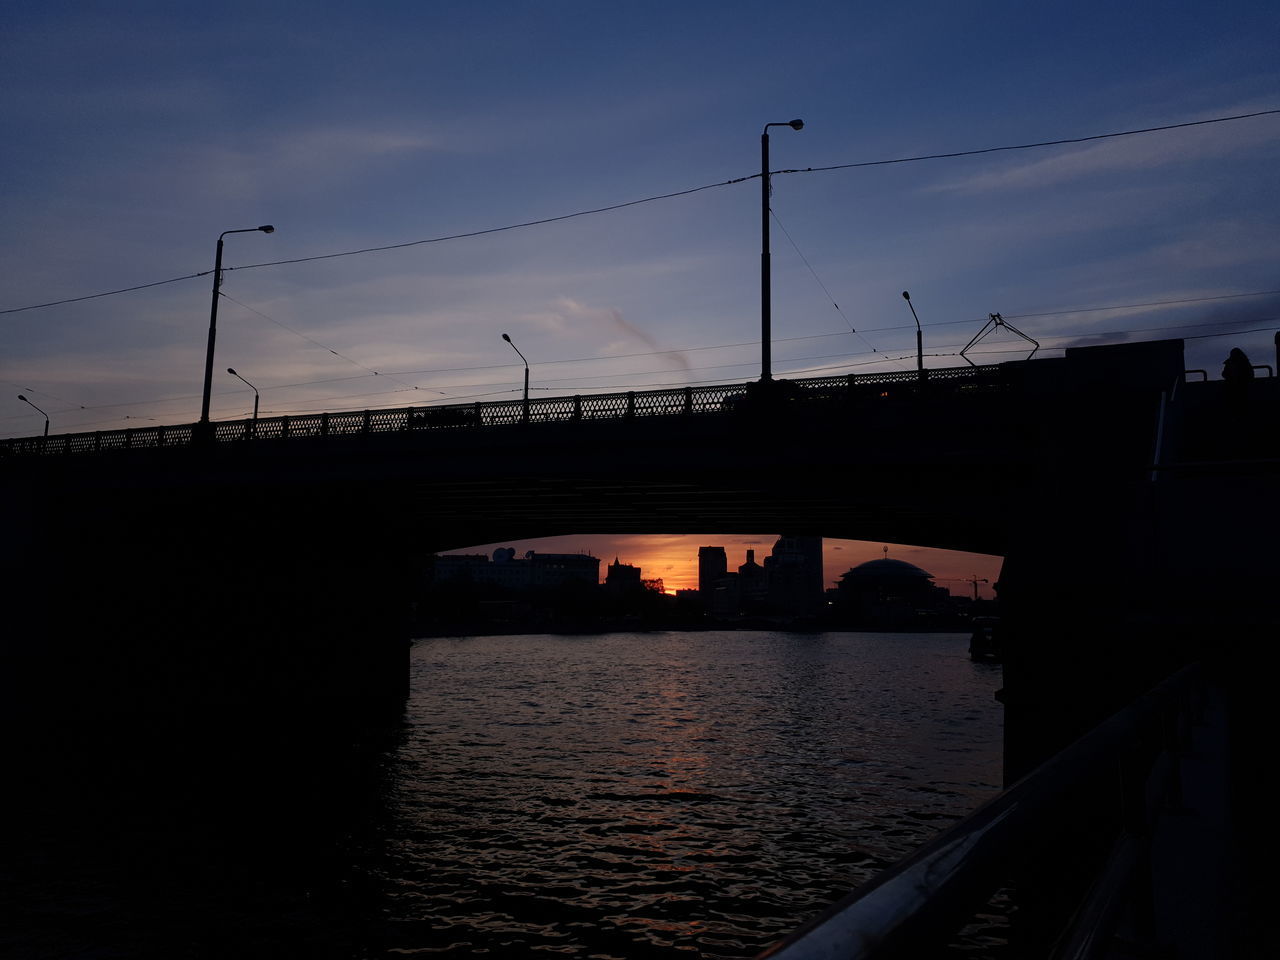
682, 401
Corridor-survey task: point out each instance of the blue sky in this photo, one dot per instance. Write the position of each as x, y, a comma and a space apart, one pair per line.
135, 133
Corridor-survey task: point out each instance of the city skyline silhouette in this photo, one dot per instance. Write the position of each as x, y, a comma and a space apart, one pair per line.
674, 557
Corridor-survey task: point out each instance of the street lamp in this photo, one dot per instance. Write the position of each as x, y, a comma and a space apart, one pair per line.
765, 294
526, 377
919, 337
213, 320
255, 396
41, 412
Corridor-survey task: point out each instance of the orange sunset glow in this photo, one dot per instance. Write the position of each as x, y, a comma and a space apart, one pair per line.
673, 558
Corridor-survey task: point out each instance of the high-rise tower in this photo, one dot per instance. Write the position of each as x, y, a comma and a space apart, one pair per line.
712, 566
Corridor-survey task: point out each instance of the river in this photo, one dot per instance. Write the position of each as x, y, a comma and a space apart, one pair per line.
618, 796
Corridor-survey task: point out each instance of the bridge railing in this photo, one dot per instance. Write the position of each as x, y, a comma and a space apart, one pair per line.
1111, 783
680, 401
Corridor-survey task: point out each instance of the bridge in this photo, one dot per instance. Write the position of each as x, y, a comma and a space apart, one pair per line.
262, 570
709, 459
258, 535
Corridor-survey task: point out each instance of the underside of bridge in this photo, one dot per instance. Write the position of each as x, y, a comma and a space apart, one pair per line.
860, 482
171, 578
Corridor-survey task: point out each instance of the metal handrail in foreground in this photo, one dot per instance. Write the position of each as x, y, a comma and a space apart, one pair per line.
682, 401
931, 894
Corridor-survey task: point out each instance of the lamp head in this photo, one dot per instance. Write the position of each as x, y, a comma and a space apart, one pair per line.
506, 338
796, 124
906, 296
231, 370
267, 228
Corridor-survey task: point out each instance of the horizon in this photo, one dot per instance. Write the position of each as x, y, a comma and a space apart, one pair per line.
673, 558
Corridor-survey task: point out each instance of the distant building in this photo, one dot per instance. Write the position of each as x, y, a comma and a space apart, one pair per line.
533, 571
453, 567
724, 601
622, 579
888, 593
789, 584
555, 569
793, 573
752, 589
712, 565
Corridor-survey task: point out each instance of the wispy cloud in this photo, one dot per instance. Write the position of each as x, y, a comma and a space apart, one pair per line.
675, 358
1124, 155
568, 315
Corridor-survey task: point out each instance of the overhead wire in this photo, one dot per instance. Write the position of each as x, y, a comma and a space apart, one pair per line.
105, 293
312, 340
1028, 146
44, 393
665, 196
1150, 303
1094, 335
651, 385
543, 386
310, 409
823, 286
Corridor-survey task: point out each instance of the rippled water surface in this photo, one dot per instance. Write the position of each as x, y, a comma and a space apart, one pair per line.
619, 796
668, 794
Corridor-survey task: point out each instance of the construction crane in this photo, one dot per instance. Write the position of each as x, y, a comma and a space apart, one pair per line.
975, 580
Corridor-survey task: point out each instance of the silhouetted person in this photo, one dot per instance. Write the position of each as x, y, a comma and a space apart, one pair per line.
1237, 375
1237, 367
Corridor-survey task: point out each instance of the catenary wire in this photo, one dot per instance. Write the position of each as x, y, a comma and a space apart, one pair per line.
664, 196
714, 381
176, 399
1028, 146
823, 286
106, 293
312, 340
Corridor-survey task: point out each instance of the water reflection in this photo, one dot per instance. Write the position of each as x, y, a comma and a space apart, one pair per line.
664, 795
620, 796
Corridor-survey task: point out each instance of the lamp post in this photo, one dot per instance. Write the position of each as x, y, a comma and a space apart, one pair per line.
231, 371
38, 410
765, 293
526, 377
213, 320
919, 337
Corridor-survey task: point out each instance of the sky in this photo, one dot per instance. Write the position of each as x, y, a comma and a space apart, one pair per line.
135, 133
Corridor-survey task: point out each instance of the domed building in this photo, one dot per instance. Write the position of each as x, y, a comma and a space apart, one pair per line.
887, 594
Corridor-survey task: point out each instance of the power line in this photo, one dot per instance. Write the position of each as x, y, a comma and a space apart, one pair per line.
1166, 327
312, 340
1062, 313
736, 180
1151, 303
796, 247
817, 279
1029, 146
884, 358
106, 293
45, 393
721, 380
489, 230
664, 196
723, 346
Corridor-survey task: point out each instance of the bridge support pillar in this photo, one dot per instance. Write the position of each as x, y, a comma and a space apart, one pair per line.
254, 610
1076, 588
